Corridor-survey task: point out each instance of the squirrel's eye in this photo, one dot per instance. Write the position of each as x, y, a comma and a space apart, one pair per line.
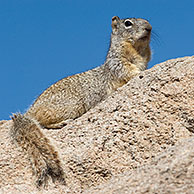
128, 23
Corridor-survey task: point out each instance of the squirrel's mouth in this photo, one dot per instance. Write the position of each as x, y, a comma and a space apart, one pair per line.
144, 38
146, 35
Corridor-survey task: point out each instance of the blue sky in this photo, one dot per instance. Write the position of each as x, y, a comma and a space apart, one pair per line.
42, 41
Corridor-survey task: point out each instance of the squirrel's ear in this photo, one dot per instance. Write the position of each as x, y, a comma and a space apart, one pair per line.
115, 21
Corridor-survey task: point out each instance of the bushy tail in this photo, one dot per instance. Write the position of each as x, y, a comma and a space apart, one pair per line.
43, 156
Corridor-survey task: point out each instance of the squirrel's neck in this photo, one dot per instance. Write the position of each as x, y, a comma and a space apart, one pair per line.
124, 58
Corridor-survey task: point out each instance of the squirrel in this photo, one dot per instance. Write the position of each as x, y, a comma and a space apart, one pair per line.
129, 52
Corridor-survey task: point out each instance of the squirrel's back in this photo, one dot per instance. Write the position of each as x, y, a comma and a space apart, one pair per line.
70, 98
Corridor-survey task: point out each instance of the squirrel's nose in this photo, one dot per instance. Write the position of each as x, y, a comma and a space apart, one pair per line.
148, 27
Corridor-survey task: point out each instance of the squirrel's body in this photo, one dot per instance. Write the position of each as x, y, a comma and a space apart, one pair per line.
71, 97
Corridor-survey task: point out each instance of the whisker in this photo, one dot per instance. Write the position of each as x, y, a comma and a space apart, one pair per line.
156, 38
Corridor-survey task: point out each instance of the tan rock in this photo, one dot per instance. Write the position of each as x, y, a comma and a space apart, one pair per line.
132, 133
170, 172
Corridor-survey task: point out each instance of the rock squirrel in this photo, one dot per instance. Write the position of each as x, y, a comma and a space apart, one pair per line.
72, 96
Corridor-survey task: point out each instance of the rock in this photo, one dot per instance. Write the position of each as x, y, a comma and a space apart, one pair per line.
125, 143
170, 172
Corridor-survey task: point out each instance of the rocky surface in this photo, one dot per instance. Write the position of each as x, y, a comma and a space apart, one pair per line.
138, 140
170, 172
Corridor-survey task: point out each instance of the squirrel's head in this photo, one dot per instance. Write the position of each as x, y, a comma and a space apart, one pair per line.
133, 30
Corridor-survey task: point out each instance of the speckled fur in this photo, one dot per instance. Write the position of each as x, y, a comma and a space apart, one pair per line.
71, 97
